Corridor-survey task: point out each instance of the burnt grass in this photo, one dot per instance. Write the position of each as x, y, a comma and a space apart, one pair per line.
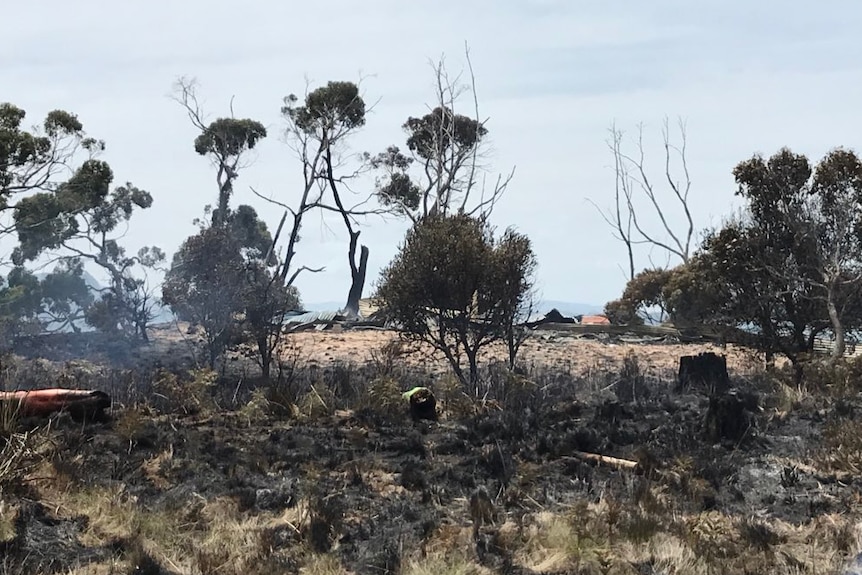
377, 484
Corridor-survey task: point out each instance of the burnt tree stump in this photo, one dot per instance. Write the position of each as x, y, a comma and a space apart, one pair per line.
730, 417
705, 370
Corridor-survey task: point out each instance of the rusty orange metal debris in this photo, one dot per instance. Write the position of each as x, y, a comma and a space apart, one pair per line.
80, 403
595, 320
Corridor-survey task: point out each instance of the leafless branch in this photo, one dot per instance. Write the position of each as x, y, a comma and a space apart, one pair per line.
319, 148
302, 269
631, 173
448, 166
185, 94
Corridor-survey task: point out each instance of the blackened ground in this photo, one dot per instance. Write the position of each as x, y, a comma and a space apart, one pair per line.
378, 483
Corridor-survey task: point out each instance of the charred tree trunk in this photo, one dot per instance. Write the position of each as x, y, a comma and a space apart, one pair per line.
837, 327
358, 282
224, 178
142, 330
474, 368
705, 370
512, 347
729, 417
265, 351
357, 272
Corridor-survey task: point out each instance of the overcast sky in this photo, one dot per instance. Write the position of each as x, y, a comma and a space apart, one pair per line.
552, 75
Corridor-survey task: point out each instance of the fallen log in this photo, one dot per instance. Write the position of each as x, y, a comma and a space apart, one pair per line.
81, 404
605, 459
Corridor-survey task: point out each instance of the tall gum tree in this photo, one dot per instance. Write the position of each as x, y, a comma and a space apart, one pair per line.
318, 130
226, 141
67, 210
442, 171
80, 221
789, 264
811, 216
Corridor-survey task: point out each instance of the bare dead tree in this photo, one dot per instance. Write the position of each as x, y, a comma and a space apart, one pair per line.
310, 197
358, 270
632, 183
619, 217
317, 131
447, 149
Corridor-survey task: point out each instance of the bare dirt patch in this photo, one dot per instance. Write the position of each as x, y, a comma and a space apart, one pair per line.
579, 356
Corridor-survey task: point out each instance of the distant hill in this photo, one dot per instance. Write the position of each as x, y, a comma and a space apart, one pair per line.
161, 314
566, 308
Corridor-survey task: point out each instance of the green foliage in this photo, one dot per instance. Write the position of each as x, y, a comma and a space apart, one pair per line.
78, 215
442, 130
513, 267
643, 292
81, 207
65, 296
250, 231
444, 145
793, 258
126, 308
204, 285
692, 294
328, 110
20, 304
28, 160
225, 141
229, 137
396, 190
622, 312
452, 286
218, 277
29, 306
72, 218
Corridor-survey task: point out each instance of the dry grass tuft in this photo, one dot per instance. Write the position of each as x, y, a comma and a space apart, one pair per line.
667, 554
842, 446
20, 451
444, 564
322, 564
203, 537
452, 400
188, 395
383, 396
316, 403
552, 542
7, 527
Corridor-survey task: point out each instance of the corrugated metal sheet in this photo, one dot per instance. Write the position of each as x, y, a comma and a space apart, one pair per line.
312, 317
824, 344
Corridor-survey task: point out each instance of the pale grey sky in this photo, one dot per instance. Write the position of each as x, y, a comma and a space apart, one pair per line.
552, 75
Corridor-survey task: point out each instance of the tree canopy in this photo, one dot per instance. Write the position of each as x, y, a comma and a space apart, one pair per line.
787, 268
455, 287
